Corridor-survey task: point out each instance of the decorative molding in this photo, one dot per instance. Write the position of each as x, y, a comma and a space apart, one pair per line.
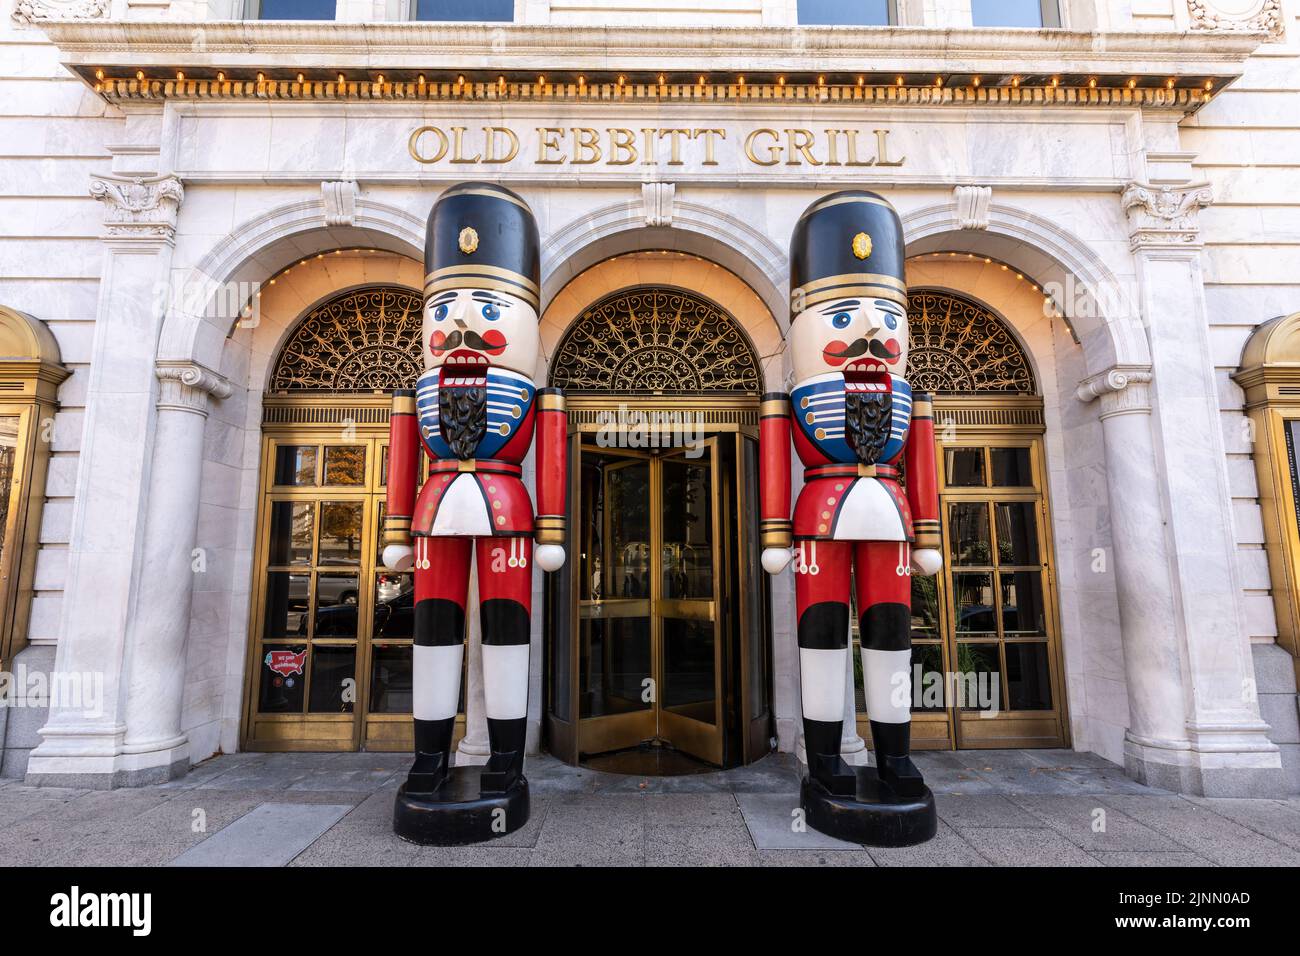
139, 207
1165, 215
973, 203
1122, 389
657, 201
340, 200
188, 386
44, 11
1267, 18
959, 347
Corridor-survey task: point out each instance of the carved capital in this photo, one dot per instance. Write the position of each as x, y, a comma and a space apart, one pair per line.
657, 203
43, 11
340, 201
188, 386
1264, 16
1122, 389
139, 207
1165, 215
973, 203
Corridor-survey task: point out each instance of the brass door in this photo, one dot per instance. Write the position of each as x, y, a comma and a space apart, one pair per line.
650, 648
331, 628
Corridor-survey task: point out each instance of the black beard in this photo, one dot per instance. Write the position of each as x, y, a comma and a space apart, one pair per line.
868, 421
462, 418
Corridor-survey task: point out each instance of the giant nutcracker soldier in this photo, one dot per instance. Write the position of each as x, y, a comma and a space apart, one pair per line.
867, 512
474, 412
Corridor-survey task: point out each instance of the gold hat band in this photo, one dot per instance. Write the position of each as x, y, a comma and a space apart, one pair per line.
854, 278
492, 272
479, 191
857, 290
474, 281
839, 200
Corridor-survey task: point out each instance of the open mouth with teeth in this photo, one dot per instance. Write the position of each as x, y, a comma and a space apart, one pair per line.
864, 360
464, 368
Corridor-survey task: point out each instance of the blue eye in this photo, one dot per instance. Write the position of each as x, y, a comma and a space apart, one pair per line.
891, 320
841, 320
439, 313
491, 312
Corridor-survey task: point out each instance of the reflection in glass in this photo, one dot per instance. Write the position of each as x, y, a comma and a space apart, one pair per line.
8, 462
687, 529
928, 691
1011, 467
974, 600
290, 533
295, 9
286, 604
978, 680
283, 676
345, 465
333, 679
1023, 614
856, 13
1013, 13
485, 10
615, 531
1017, 532
1029, 685
964, 467
968, 531
614, 666
336, 605
925, 608
689, 686
295, 464
340, 532
394, 606
390, 679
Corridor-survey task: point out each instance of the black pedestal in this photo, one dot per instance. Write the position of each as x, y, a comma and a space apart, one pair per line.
875, 816
457, 813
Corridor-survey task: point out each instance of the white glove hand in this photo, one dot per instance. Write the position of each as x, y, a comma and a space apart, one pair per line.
927, 562
549, 557
398, 557
776, 559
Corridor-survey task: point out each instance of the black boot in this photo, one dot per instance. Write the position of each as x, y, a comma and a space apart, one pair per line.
821, 740
893, 764
432, 755
506, 764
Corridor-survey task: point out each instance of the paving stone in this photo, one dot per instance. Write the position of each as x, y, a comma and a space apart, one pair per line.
1158, 858
961, 780
991, 760
946, 849
1027, 780
1022, 846
1211, 835
330, 779
1070, 759
982, 810
770, 818
693, 809
486, 854
808, 858
699, 846
1076, 818
1274, 819
271, 835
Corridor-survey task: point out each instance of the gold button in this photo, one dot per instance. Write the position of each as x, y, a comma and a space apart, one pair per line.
821, 529
809, 418
830, 501
504, 429
839, 487
501, 519
492, 489
826, 514
821, 434
803, 403
496, 504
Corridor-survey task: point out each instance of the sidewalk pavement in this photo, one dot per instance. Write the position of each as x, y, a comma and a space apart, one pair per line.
999, 808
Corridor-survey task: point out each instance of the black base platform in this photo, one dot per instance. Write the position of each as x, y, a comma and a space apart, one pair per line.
457, 813
874, 817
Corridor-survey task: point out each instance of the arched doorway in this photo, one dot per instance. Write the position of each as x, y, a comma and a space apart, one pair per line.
986, 645
658, 650
330, 630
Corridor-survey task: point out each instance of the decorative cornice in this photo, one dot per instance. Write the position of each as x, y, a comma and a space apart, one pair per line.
1265, 18
1164, 215
188, 386
657, 203
1122, 389
973, 204
139, 207
340, 201
44, 11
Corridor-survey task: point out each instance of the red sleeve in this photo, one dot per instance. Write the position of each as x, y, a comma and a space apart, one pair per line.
774, 470
403, 467
922, 475
552, 466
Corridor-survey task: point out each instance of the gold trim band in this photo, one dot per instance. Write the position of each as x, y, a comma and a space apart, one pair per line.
776, 539
839, 200
469, 280
475, 191
848, 292
774, 408
551, 402
549, 536
494, 272
854, 278
403, 405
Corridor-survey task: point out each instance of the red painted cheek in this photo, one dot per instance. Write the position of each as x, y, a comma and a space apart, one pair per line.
834, 360
494, 340
438, 342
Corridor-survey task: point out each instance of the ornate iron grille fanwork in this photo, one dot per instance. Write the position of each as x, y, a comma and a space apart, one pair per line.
655, 340
960, 347
360, 341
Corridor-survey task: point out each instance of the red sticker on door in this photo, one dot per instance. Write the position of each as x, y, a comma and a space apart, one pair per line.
285, 663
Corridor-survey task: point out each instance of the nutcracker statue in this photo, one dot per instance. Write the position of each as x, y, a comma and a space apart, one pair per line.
474, 412
867, 512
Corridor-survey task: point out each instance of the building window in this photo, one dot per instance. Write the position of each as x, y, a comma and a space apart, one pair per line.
493, 10
290, 9
1015, 13
853, 13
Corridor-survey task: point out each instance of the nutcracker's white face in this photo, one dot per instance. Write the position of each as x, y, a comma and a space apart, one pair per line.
472, 329
863, 338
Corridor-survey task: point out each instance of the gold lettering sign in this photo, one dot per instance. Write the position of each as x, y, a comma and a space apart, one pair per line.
614, 146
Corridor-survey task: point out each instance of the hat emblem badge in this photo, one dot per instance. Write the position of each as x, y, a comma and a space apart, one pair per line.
862, 245
468, 240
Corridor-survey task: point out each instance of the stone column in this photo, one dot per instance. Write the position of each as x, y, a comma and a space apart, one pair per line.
473, 748
1181, 542
155, 748
83, 738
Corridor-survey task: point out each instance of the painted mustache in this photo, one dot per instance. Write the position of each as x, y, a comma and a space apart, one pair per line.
470, 338
862, 347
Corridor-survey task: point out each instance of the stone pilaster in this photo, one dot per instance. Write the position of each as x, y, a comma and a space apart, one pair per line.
82, 741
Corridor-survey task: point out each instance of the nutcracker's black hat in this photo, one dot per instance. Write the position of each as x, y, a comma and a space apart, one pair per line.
847, 245
482, 236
